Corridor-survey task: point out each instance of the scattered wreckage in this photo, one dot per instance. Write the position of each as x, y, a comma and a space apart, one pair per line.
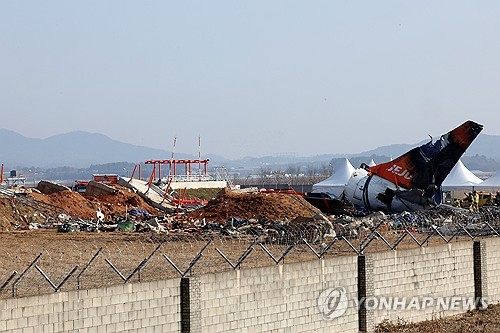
312, 229
317, 229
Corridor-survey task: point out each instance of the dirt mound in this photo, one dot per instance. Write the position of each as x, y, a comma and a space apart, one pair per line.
116, 204
272, 206
227, 204
16, 213
14, 216
70, 201
112, 205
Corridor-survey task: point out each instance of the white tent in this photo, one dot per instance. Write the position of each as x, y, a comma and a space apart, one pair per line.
335, 183
460, 178
493, 181
372, 163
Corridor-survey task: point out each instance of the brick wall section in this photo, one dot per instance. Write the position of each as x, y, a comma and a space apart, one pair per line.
439, 271
135, 307
281, 298
493, 268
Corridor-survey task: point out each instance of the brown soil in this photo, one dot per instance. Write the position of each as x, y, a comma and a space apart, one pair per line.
271, 206
15, 215
18, 213
85, 207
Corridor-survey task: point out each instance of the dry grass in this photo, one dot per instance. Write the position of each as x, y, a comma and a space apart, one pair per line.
475, 321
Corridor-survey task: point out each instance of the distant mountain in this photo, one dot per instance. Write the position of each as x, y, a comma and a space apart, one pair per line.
394, 150
483, 145
74, 149
82, 149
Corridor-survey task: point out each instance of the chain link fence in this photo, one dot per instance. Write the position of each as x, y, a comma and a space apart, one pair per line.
47, 261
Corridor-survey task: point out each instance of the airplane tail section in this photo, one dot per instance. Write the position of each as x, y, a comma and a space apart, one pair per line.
427, 166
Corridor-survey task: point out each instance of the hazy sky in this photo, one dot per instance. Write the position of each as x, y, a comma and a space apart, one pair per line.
251, 77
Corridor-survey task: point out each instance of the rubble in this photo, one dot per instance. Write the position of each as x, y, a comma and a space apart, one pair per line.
155, 196
47, 187
95, 189
35, 210
272, 217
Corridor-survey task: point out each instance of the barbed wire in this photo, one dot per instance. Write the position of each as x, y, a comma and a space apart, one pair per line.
71, 261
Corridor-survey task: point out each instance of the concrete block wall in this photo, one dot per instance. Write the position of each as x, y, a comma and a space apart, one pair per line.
493, 269
281, 298
437, 271
135, 307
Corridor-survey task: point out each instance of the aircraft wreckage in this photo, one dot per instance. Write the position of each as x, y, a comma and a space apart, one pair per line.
412, 181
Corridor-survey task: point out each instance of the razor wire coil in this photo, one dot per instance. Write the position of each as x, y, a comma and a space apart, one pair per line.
104, 260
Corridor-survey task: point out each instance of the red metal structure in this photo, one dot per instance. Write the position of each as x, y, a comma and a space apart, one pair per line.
174, 165
136, 167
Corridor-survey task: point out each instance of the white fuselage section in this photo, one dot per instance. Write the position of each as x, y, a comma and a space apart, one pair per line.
374, 193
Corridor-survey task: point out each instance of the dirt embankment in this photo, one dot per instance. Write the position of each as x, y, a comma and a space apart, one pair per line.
112, 205
271, 206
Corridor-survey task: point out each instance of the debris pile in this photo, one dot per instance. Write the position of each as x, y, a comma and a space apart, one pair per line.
13, 216
34, 209
271, 206
85, 207
46, 187
277, 217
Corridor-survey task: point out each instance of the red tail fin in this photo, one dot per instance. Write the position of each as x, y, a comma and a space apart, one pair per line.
428, 165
